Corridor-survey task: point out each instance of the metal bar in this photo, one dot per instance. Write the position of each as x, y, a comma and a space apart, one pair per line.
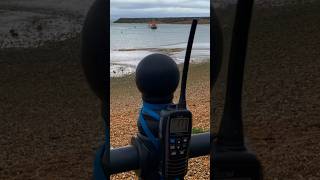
216, 47
127, 158
231, 130
123, 159
199, 145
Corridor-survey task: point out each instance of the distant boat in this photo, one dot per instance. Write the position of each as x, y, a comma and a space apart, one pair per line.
153, 25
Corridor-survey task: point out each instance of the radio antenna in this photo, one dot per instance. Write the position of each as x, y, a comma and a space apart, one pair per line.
182, 101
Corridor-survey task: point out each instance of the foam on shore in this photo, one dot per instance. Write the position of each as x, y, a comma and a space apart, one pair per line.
124, 62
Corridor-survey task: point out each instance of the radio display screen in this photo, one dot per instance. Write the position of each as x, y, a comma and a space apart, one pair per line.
179, 125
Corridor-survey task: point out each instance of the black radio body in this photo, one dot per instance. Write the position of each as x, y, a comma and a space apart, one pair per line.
175, 133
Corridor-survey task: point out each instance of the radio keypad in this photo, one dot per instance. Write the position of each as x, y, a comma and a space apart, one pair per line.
173, 153
178, 145
185, 139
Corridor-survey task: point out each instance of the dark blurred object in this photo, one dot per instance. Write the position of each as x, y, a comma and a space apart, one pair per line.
95, 56
13, 33
157, 77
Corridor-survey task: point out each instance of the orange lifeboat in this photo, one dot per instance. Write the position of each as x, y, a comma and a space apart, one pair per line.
153, 25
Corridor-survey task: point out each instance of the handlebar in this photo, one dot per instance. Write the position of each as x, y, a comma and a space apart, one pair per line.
126, 158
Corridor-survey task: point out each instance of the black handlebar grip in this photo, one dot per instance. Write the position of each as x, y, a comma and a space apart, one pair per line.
133, 157
94, 48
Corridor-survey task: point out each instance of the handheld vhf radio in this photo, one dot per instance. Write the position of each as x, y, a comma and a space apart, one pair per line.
175, 127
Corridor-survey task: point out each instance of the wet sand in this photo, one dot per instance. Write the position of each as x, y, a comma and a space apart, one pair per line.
33, 23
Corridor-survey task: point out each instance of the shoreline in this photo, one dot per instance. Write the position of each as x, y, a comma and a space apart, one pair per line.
164, 20
180, 66
118, 70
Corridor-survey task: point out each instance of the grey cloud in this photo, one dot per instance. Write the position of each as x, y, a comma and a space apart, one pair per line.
205, 4
159, 8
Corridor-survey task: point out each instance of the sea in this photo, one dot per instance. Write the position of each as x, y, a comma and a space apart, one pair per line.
130, 43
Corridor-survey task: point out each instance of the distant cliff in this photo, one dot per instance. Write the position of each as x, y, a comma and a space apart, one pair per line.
167, 20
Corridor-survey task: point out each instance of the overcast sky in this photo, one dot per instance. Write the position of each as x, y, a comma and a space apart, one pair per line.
159, 8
